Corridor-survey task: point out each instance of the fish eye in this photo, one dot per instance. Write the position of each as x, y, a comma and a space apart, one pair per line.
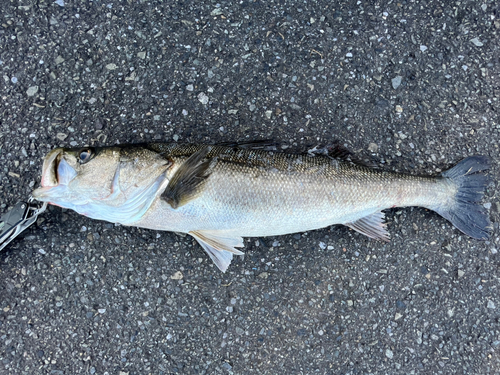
85, 155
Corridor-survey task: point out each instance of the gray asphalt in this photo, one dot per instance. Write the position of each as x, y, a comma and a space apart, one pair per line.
413, 85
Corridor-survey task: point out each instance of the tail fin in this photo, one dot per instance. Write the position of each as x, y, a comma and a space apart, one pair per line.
464, 211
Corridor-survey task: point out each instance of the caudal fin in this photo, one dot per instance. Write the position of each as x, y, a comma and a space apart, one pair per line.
464, 211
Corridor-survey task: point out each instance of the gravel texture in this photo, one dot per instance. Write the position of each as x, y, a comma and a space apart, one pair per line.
415, 85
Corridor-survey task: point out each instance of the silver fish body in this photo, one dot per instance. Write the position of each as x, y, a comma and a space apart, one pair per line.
219, 194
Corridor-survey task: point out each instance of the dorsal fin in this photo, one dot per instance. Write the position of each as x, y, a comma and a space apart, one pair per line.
340, 152
263, 144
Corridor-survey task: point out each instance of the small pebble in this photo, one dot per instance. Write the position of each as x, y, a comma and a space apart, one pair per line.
111, 66
373, 147
389, 354
203, 98
491, 305
32, 90
396, 82
216, 12
477, 42
423, 48
190, 87
177, 276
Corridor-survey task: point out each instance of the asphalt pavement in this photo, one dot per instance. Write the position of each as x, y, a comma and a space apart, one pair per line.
411, 85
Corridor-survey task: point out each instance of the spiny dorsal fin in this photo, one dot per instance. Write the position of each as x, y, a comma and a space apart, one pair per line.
219, 245
262, 144
372, 226
189, 179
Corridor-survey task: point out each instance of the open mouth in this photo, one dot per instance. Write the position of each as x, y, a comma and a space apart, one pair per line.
56, 176
50, 167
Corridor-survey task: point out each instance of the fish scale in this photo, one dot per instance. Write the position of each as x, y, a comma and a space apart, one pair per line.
271, 201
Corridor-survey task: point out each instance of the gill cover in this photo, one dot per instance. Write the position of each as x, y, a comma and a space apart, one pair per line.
131, 210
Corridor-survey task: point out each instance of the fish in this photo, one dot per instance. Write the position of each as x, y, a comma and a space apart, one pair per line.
219, 194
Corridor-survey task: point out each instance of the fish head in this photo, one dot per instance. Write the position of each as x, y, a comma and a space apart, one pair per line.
77, 175
98, 181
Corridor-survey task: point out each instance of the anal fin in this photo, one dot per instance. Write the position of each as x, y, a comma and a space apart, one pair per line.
219, 245
372, 226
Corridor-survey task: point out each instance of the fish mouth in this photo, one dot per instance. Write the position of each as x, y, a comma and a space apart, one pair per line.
50, 166
56, 176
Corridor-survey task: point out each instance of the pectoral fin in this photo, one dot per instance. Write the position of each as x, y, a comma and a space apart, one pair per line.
372, 226
188, 180
219, 245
